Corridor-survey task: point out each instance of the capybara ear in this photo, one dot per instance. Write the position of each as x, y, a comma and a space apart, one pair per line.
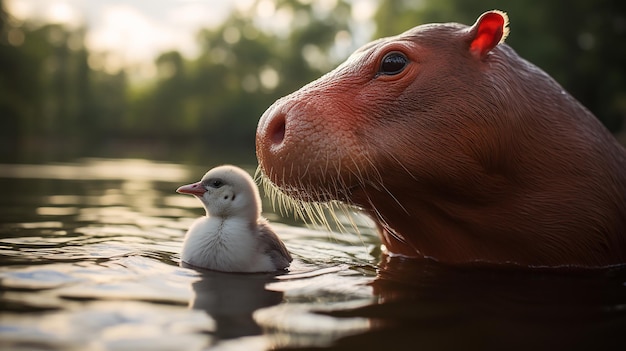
490, 29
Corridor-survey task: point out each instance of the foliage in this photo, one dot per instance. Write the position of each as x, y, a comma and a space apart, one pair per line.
49, 90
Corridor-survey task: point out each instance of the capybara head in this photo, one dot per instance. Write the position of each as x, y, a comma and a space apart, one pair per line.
458, 148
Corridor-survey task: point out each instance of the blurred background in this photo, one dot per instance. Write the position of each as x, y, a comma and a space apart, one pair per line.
183, 79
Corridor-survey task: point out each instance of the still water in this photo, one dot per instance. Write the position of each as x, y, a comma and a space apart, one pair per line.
89, 260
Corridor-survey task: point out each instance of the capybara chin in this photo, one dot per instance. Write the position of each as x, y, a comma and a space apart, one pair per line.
459, 149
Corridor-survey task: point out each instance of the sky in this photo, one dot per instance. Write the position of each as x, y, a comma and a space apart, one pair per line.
134, 32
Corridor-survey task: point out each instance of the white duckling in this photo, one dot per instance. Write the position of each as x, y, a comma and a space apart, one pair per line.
232, 237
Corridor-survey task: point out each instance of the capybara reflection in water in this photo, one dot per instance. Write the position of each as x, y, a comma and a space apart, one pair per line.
459, 149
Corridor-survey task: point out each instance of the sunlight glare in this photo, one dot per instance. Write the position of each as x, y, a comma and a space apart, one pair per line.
21, 9
265, 8
62, 12
128, 33
364, 10
269, 78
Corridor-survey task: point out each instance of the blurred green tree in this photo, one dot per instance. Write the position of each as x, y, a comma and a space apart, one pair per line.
16, 79
220, 95
47, 89
51, 88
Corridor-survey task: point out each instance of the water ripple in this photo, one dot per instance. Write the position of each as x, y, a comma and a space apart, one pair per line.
90, 261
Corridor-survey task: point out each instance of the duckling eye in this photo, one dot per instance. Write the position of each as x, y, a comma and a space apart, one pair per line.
215, 183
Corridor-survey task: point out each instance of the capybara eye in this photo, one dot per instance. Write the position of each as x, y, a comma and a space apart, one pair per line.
393, 63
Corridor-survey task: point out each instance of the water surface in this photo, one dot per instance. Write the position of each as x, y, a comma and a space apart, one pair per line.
89, 260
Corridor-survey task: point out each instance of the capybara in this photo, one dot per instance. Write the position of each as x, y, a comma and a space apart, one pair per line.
459, 149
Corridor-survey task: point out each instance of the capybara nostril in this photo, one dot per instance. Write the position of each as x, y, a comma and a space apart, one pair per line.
276, 129
272, 129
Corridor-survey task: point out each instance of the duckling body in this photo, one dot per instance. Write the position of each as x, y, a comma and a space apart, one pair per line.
232, 237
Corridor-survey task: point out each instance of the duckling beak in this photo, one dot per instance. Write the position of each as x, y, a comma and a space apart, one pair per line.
192, 189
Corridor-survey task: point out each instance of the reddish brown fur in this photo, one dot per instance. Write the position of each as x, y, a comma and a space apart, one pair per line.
466, 155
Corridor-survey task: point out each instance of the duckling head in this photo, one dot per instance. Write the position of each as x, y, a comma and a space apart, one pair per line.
226, 191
